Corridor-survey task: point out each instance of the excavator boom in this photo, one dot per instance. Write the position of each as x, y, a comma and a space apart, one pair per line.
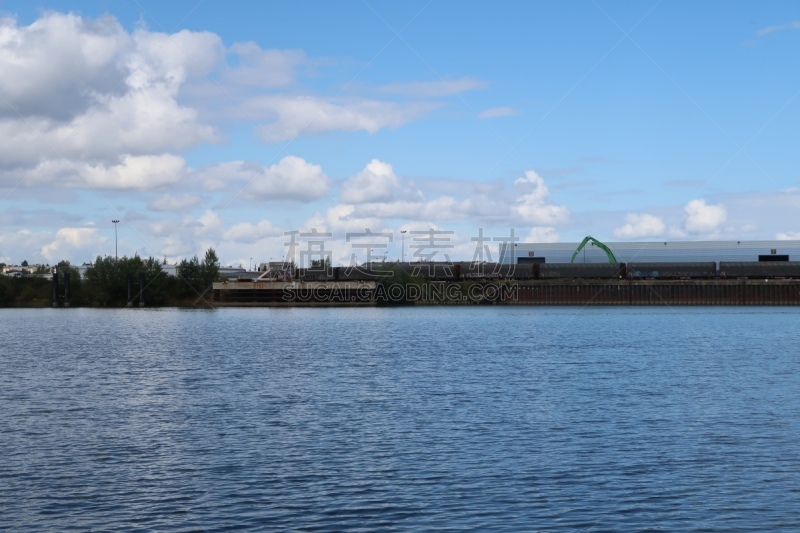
606, 249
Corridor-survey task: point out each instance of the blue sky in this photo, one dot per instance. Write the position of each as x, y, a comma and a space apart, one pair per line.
201, 124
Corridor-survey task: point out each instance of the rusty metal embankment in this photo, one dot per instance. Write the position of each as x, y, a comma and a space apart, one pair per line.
550, 292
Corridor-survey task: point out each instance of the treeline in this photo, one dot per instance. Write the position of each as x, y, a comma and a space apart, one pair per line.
105, 283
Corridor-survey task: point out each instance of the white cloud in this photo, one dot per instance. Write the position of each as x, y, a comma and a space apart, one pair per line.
429, 89
292, 178
137, 172
442, 208
532, 205
343, 218
68, 241
295, 115
172, 203
141, 123
788, 236
704, 218
18, 246
264, 68
399, 209
99, 103
377, 182
131, 172
52, 67
208, 224
216, 177
494, 112
488, 204
246, 232
542, 234
85, 89
795, 25
640, 226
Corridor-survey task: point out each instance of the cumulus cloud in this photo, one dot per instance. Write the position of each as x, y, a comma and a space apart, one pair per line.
16, 245
704, 218
532, 205
264, 68
207, 225
435, 88
84, 88
246, 232
137, 172
172, 203
494, 112
292, 178
131, 172
542, 234
399, 209
383, 198
70, 240
343, 218
85, 98
788, 236
52, 67
292, 116
638, 226
794, 25
377, 182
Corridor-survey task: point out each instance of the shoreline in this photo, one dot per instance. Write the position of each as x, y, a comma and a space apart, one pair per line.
623, 293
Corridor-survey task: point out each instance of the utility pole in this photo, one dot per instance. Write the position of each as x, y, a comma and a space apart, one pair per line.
403, 235
115, 240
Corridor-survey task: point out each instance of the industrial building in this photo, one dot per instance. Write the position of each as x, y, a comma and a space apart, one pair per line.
645, 252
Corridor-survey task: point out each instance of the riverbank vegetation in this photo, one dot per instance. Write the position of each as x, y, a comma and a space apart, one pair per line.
114, 282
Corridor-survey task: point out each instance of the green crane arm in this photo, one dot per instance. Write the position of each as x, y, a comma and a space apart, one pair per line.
606, 249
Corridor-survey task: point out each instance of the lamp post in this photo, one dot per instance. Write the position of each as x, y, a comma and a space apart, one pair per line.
403, 236
116, 249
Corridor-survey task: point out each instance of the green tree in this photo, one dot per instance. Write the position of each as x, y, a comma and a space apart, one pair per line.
321, 264
197, 276
75, 285
25, 291
156, 291
24, 262
210, 268
107, 281
6, 296
189, 275
396, 274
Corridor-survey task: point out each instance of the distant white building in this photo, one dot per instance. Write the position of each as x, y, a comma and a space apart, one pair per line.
650, 252
16, 271
172, 270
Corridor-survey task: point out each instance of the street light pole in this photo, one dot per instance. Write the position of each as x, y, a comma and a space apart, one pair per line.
403, 235
116, 249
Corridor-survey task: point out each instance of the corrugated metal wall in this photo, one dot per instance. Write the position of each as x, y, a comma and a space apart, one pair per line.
665, 251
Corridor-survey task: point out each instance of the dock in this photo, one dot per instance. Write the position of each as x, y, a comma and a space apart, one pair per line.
549, 292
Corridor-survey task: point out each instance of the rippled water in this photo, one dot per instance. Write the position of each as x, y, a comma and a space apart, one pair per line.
501, 418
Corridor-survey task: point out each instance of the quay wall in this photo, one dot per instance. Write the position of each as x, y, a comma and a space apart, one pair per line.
551, 292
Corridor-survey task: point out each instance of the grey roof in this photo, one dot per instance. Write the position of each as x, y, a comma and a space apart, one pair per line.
672, 251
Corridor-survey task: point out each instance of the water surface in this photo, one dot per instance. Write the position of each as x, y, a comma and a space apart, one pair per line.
495, 418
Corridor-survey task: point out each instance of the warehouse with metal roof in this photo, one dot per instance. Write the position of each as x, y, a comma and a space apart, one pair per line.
644, 252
